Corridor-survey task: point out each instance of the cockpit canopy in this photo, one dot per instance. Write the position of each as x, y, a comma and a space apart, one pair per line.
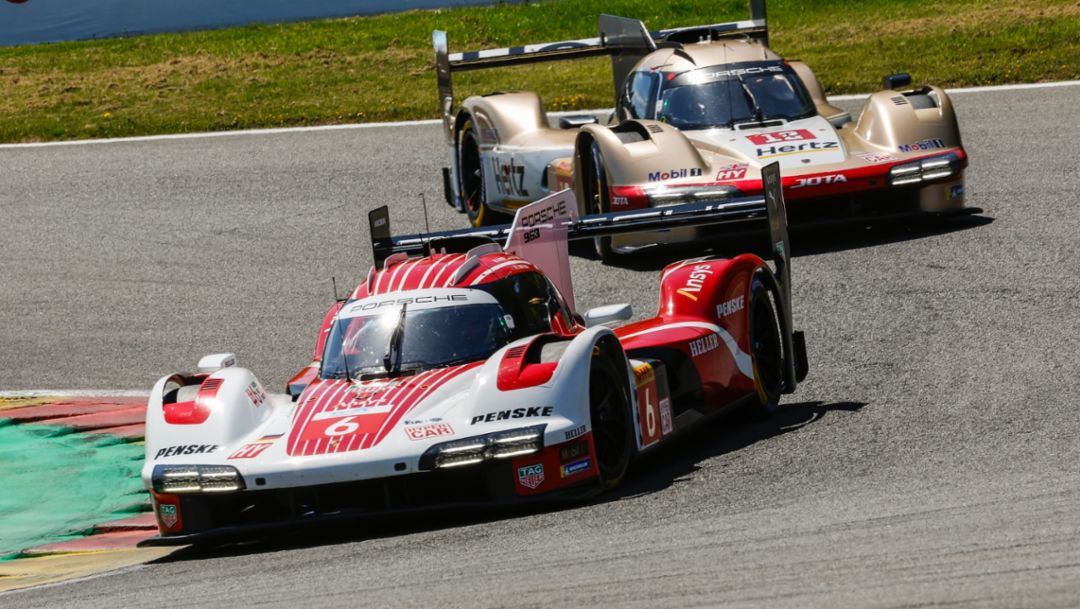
439, 327
721, 96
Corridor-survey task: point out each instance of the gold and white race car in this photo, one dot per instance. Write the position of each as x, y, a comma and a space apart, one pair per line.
698, 111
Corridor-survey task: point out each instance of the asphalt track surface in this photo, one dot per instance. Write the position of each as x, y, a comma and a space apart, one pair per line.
930, 459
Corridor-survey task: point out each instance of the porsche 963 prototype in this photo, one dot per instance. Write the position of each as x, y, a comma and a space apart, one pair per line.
459, 373
698, 112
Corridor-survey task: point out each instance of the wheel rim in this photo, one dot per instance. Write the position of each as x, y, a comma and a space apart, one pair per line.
610, 424
472, 175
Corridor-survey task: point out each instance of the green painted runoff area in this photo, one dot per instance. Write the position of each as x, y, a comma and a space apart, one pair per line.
56, 485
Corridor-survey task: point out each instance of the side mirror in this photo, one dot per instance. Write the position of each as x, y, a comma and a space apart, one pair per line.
607, 314
896, 81
217, 361
576, 120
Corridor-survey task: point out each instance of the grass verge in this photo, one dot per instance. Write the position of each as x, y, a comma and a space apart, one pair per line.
381, 68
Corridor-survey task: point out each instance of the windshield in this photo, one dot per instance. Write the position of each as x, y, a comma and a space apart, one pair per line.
723, 96
429, 338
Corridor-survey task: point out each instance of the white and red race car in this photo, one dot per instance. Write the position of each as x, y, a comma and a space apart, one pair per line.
463, 375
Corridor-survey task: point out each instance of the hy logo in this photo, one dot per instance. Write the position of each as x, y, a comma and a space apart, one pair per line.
695, 281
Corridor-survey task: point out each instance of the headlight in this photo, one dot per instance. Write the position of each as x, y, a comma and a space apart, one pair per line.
659, 196
932, 168
196, 479
477, 449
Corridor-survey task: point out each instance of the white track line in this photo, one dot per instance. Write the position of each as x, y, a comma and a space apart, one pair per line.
279, 130
75, 393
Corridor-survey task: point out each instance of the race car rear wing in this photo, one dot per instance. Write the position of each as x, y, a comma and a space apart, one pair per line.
540, 231
625, 40
585, 227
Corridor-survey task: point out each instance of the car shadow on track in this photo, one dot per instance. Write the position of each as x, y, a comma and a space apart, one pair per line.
656, 471
805, 241
672, 462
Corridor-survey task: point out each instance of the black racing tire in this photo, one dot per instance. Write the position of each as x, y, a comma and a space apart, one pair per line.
612, 422
766, 352
598, 199
471, 178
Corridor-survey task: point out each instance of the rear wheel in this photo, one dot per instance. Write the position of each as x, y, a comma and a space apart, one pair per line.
609, 411
471, 177
766, 354
598, 196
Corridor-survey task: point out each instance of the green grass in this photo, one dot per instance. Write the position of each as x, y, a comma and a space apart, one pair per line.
381, 68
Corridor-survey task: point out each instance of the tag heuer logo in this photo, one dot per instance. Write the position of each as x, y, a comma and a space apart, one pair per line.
168, 514
531, 476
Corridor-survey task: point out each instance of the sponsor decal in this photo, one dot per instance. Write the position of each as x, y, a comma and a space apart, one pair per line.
379, 222
876, 157
544, 215
509, 178
731, 306
369, 305
674, 174
742, 71
956, 191
832, 178
186, 449
808, 147
701, 346
620, 202
168, 514
575, 432
644, 374
564, 175
255, 394
780, 137
665, 416
735, 171
575, 468
928, 144
250, 451
516, 413
573, 451
695, 281
432, 430
531, 476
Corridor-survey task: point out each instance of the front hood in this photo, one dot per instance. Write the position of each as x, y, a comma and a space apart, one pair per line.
797, 145
336, 416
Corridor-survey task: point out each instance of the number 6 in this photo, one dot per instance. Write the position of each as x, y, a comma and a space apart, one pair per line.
343, 427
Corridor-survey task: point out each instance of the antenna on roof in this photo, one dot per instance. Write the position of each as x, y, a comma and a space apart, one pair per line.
423, 202
333, 281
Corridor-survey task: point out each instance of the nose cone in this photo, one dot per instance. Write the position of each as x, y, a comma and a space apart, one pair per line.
337, 416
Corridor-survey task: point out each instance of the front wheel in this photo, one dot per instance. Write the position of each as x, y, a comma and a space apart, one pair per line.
598, 198
766, 355
609, 412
